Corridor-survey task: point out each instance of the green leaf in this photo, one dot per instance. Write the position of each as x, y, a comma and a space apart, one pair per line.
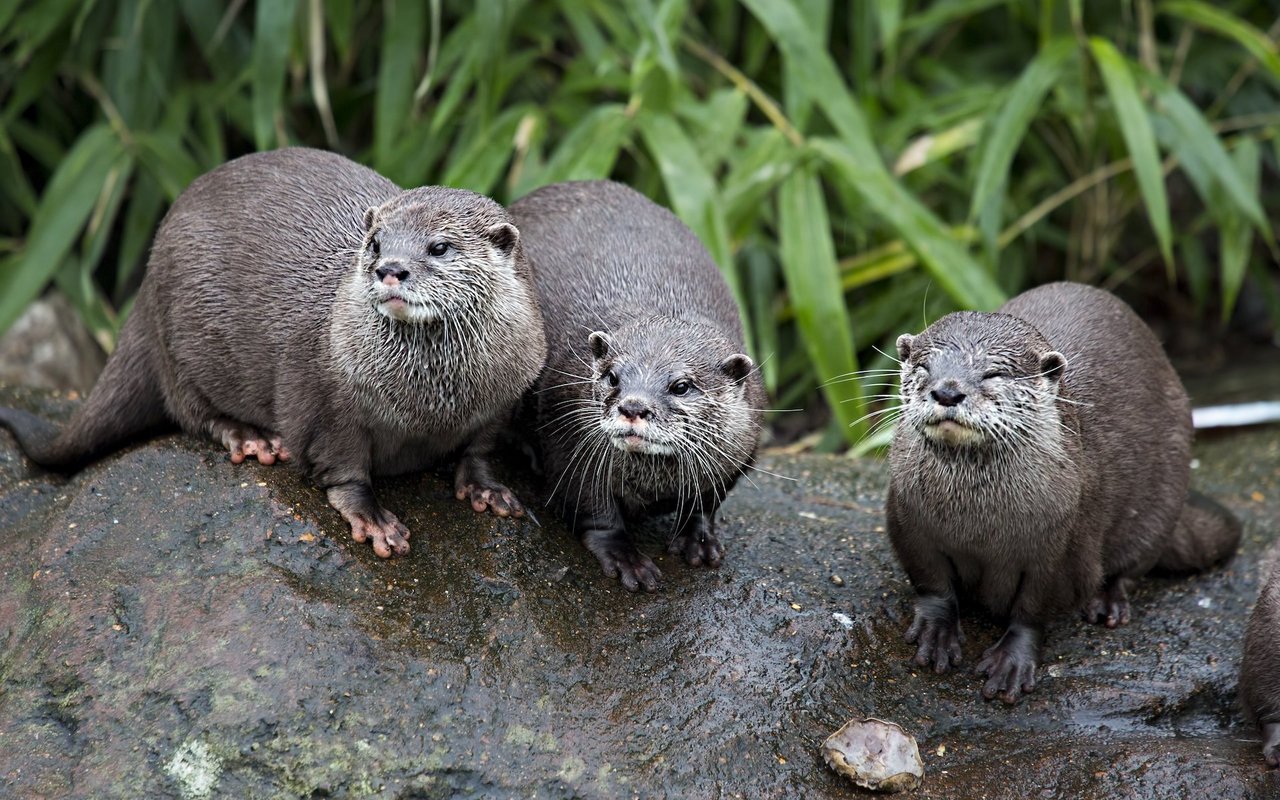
692, 192
1135, 127
1011, 123
403, 29
68, 200
589, 149
1236, 236
1229, 25
813, 281
857, 161
1194, 140
273, 29
480, 164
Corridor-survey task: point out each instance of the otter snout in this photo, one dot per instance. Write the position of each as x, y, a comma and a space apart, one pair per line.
947, 393
392, 273
634, 409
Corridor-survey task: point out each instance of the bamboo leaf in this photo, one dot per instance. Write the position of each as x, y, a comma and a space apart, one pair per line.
813, 280
273, 29
403, 30
479, 166
1229, 25
69, 199
1236, 236
857, 161
692, 192
1135, 127
1012, 120
590, 147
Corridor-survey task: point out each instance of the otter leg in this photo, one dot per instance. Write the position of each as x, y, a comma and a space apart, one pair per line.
697, 540
936, 629
1010, 663
369, 520
604, 533
243, 441
1271, 743
1110, 606
474, 479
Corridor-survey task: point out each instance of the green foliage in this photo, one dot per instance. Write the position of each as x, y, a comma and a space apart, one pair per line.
854, 168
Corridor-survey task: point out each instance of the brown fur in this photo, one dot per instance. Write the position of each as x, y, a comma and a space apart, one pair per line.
1075, 484
1260, 667
258, 323
630, 294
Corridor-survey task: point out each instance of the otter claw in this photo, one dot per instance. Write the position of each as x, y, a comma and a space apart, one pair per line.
1110, 606
496, 498
389, 536
698, 550
244, 441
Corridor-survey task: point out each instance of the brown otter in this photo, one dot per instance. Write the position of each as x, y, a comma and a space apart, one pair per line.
297, 304
647, 403
1040, 463
1260, 668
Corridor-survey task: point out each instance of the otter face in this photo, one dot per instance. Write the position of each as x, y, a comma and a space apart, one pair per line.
435, 253
656, 400
972, 380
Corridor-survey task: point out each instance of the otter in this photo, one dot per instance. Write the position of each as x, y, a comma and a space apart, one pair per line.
1260, 668
648, 403
1039, 464
299, 306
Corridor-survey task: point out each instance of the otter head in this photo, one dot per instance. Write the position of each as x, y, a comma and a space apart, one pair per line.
432, 253
666, 388
975, 379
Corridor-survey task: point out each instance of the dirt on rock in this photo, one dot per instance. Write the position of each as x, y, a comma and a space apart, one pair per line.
172, 625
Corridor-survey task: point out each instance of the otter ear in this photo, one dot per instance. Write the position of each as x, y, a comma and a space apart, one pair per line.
1052, 365
504, 237
737, 367
599, 342
370, 215
904, 346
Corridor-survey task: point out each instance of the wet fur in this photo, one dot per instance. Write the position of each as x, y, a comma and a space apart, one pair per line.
607, 259
1260, 668
1080, 487
258, 309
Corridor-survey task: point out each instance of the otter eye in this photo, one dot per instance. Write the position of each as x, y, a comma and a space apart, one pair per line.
375, 247
680, 387
611, 378
438, 249
995, 374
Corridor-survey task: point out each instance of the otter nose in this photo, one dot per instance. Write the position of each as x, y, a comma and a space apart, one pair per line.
633, 409
947, 395
394, 271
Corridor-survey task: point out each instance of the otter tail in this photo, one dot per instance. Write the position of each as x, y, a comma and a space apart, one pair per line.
1205, 534
125, 403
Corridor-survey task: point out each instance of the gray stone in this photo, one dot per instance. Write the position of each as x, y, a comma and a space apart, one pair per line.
172, 625
49, 348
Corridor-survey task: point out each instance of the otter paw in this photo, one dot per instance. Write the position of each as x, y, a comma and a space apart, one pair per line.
388, 534
1110, 606
1271, 743
940, 641
1010, 671
496, 498
245, 441
699, 549
633, 568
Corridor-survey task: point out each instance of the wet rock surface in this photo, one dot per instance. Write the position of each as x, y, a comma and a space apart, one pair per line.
172, 625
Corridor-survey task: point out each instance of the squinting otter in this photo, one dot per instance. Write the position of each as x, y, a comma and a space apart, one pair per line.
1040, 463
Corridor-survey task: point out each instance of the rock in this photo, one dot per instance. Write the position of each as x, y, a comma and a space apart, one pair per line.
875, 755
49, 348
172, 625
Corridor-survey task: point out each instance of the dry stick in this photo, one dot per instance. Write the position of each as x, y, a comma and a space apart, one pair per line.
319, 88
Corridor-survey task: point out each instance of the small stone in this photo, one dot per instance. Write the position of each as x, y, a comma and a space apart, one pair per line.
837, 580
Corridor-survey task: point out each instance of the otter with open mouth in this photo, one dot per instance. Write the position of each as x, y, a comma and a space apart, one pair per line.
1040, 463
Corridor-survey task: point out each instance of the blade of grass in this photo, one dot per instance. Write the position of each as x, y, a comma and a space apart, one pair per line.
65, 207
1229, 25
403, 28
813, 280
273, 28
693, 195
1135, 127
856, 160
1237, 237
